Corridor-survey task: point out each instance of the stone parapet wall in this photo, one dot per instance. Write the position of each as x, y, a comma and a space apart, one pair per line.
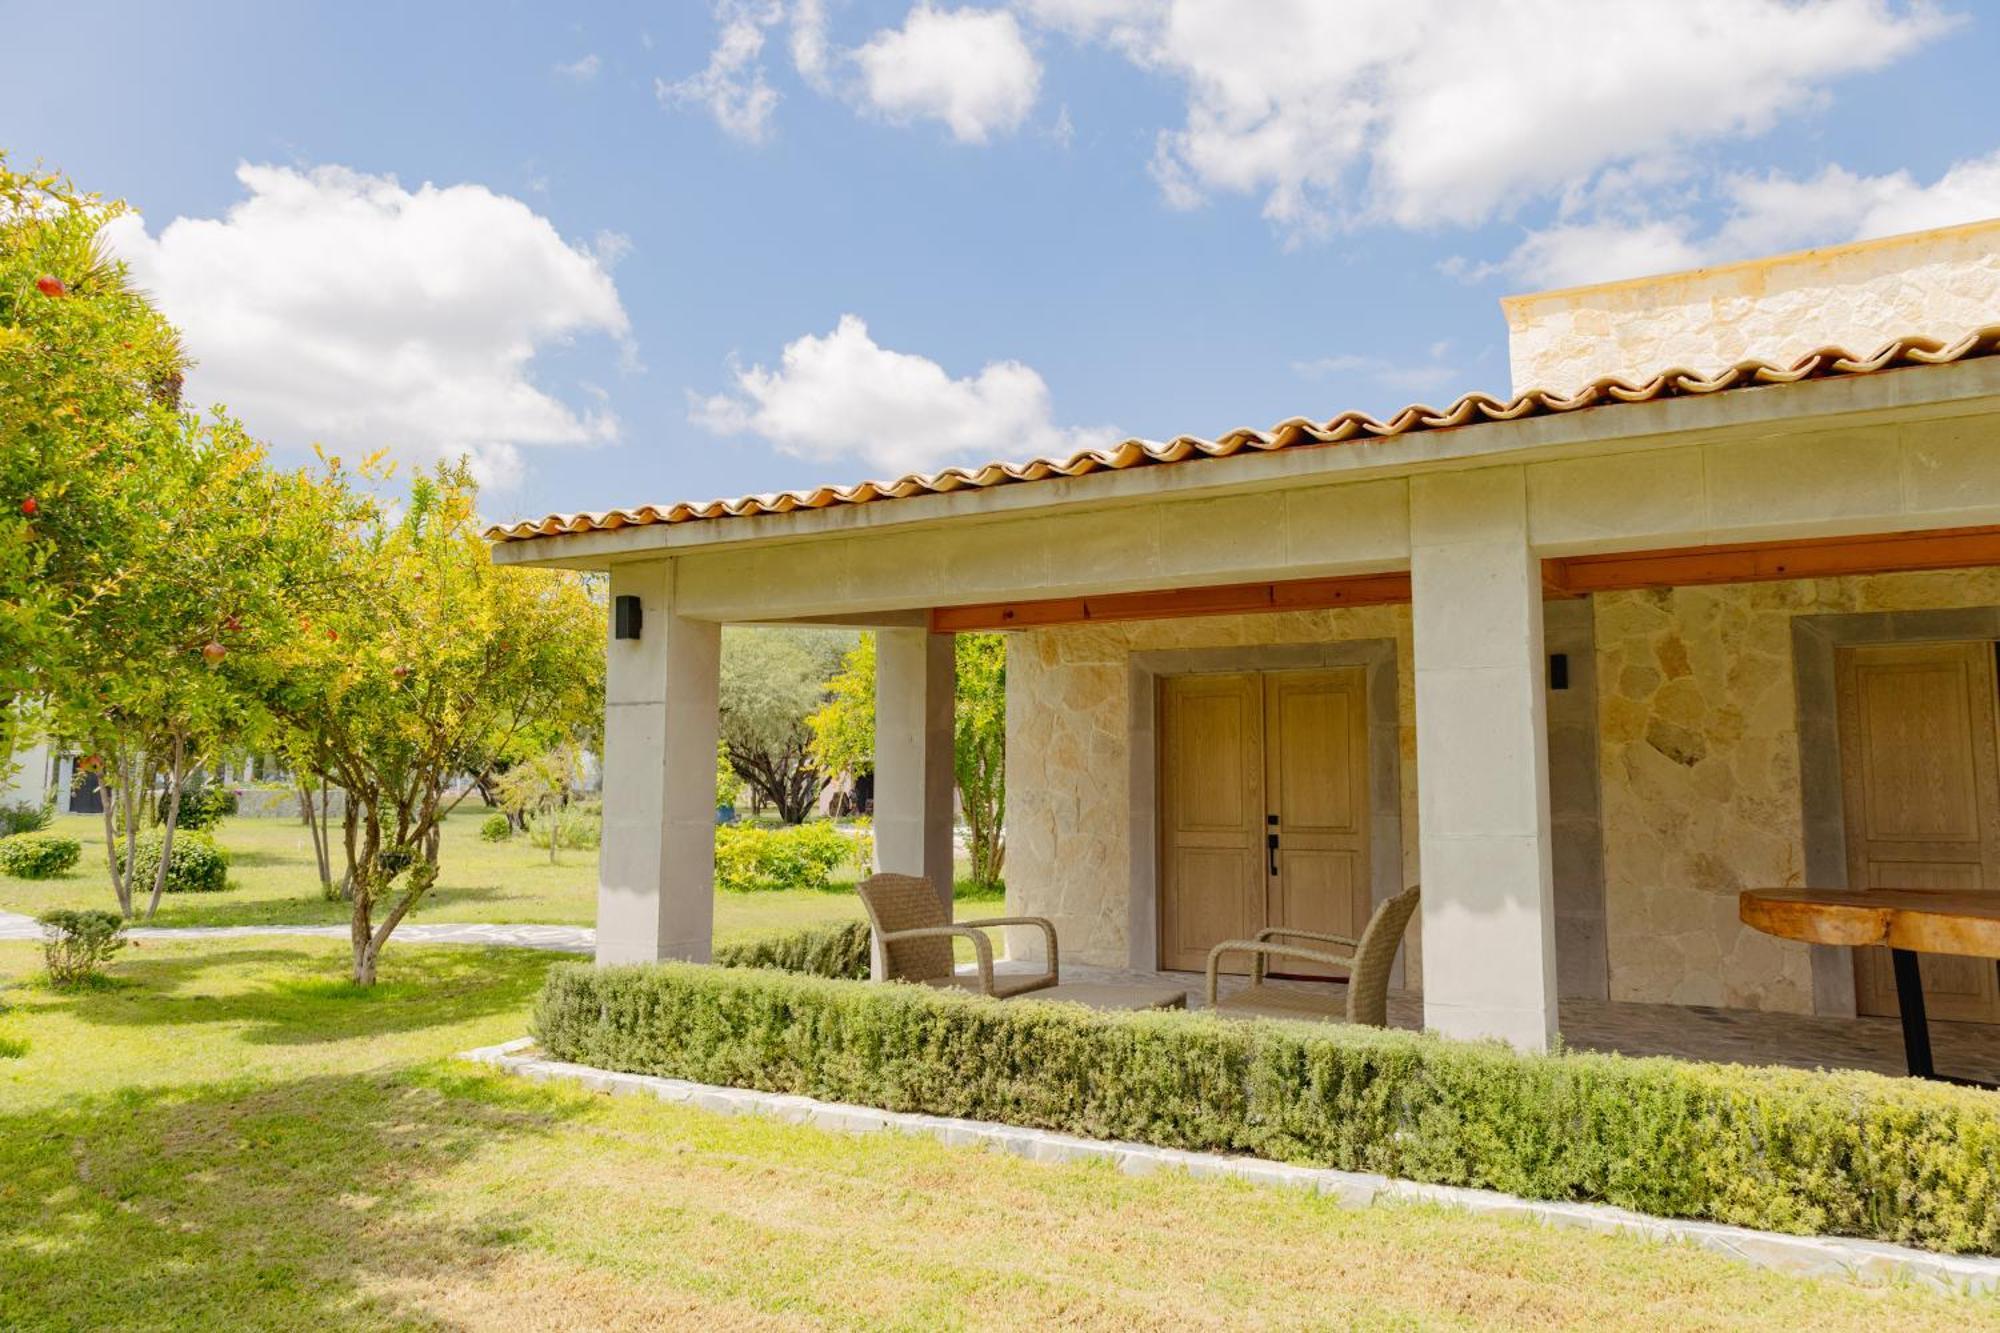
1942, 284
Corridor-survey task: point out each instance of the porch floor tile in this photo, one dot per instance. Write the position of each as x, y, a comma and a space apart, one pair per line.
1687, 1032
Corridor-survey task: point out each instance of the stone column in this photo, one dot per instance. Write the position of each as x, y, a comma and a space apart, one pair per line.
1482, 759
656, 868
914, 680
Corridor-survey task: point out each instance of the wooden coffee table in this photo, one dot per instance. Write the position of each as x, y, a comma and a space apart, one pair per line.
1907, 921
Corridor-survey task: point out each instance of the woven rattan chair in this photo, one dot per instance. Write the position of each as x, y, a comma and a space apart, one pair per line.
913, 935
1365, 997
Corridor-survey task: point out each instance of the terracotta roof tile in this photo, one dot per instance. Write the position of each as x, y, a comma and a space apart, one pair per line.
1349, 427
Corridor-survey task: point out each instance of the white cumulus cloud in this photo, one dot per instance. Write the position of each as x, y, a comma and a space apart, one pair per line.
1763, 215
1426, 112
732, 87
969, 68
842, 397
330, 305
583, 69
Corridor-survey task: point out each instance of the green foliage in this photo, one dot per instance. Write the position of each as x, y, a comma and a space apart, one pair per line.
201, 808
540, 791
844, 737
25, 817
817, 951
407, 658
569, 828
728, 786
1847, 1153
753, 859
496, 827
89, 383
979, 750
76, 945
197, 864
772, 682
37, 855
843, 727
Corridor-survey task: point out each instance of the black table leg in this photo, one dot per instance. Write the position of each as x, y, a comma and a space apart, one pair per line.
1910, 1004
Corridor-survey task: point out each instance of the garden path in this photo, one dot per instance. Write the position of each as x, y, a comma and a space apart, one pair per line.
565, 939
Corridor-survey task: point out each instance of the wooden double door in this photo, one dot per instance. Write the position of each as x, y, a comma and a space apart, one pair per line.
1920, 777
1264, 808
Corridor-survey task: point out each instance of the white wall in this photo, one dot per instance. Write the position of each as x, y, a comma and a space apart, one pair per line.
28, 783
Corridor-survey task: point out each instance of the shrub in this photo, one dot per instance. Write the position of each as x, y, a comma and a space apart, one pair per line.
1847, 1153
496, 827
201, 808
818, 951
38, 855
750, 859
198, 865
76, 944
25, 817
580, 831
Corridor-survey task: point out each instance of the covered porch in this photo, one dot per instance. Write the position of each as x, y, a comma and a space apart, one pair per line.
1584, 719
1968, 1051
1585, 665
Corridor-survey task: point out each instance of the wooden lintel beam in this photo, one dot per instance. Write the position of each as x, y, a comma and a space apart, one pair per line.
1763, 562
1177, 603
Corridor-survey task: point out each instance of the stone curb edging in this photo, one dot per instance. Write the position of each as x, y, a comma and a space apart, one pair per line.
1866, 1261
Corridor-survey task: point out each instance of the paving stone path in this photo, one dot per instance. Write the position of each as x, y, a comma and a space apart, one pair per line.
563, 939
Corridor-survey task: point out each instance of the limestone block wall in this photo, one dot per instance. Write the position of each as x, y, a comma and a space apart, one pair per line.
1941, 283
1069, 758
1700, 772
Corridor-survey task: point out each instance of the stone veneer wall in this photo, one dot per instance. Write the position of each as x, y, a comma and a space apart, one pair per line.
1069, 756
1699, 761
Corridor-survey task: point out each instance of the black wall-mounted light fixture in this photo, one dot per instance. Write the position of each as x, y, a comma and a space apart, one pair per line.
1558, 671
625, 617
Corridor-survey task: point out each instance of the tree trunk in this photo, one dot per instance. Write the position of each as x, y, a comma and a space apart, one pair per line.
120, 886
349, 829
178, 777
363, 874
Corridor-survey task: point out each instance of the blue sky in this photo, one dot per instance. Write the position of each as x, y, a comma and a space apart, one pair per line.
681, 251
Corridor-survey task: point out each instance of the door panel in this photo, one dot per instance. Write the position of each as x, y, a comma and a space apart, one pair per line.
1212, 814
1316, 784
1920, 768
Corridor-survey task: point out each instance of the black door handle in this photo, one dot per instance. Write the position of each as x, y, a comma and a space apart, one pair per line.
1271, 847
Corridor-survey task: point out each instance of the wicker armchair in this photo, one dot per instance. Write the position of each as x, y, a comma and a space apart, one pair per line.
913, 935
1366, 962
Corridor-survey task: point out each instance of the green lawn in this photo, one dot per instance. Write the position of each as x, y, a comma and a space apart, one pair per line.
228, 1136
274, 882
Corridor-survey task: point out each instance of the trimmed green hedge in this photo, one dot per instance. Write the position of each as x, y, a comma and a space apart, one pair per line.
1848, 1153
38, 855
817, 951
198, 865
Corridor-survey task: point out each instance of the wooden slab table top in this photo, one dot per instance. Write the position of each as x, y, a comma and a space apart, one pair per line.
1920, 920
1907, 922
